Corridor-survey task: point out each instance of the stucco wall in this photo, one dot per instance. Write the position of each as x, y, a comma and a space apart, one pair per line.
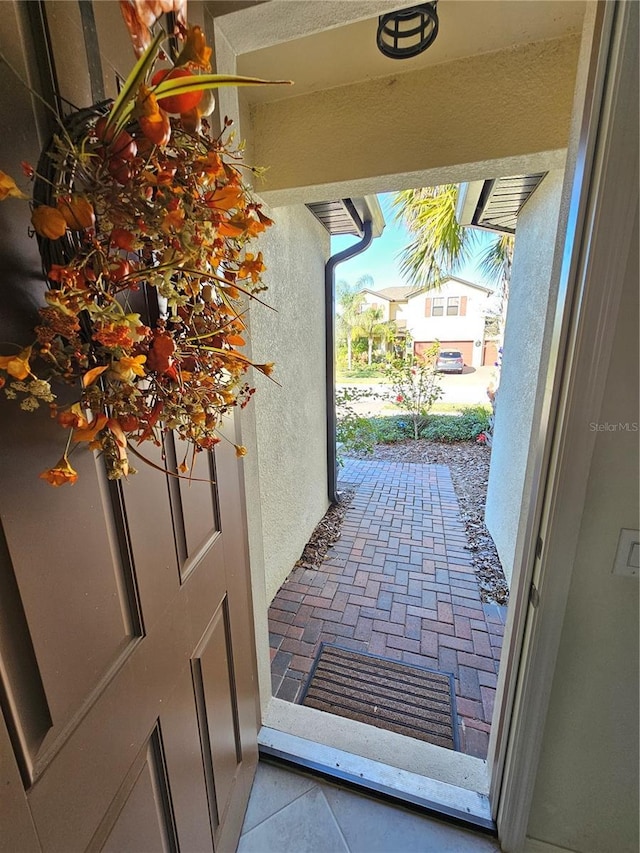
287, 492
586, 795
526, 350
502, 104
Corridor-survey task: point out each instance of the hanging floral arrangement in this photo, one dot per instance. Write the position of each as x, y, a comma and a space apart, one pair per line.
145, 222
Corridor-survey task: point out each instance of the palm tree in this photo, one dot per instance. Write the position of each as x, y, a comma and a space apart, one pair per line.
495, 263
370, 326
439, 245
350, 302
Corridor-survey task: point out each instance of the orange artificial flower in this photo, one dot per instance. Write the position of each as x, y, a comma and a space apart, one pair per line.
146, 102
70, 277
72, 418
89, 432
252, 267
236, 340
77, 211
212, 165
8, 188
129, 366
154, 122
91, 375
233, 227
263, 218
173, 221
156, 127
115, 428
48, 222
17, 365
195, 51
60, 474
225, 198
240, 450
122, 239
267, 368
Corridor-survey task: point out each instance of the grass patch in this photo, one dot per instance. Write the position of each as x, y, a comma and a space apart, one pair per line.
362, 374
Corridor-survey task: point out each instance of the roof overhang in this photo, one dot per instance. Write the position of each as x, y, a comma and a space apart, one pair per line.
348, 215
494, 205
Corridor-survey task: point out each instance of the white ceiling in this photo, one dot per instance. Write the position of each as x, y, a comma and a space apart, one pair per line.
348, 53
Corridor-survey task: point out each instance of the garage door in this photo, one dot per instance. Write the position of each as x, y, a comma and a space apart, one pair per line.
490, 353
465, 347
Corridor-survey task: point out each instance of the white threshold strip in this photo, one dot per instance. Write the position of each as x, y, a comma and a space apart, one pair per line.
438, 798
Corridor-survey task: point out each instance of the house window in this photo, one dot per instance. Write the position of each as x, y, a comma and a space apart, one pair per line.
437, 309
453, 306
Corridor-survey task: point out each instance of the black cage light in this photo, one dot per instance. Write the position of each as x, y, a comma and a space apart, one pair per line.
408, 32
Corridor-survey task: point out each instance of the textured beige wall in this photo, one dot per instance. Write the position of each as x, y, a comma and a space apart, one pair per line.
526, 351
287, 491
586, 795
503, 104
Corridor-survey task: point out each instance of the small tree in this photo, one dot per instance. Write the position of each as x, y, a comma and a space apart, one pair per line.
416, 385
350, 302
370, 325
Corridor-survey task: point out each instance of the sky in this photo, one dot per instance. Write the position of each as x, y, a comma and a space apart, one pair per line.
382, 259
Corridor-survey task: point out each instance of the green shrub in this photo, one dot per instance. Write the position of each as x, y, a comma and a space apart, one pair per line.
449, 428
354, 432
391, 429
359, 433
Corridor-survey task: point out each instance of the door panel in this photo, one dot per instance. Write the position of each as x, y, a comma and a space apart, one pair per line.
127, 663
217, 712
141, 815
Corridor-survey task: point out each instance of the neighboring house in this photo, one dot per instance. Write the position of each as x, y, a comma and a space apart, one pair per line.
452, 314
391, 301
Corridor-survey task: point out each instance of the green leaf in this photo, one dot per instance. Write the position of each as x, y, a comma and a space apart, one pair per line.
197, 82
124, 102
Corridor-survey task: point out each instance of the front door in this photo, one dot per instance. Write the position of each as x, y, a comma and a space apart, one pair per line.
127, 663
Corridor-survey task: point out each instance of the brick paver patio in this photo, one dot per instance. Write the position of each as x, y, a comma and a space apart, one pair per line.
398, 583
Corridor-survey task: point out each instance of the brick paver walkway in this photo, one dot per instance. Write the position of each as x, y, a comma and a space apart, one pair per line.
398, 583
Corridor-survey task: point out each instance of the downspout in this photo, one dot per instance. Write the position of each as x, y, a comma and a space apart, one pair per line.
329, 301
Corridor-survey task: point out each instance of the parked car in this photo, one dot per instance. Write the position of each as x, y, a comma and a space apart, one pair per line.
450, 361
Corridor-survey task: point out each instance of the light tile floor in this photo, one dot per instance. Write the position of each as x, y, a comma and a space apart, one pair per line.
292, 813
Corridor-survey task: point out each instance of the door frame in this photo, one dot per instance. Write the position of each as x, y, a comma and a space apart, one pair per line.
596, 248
582, 335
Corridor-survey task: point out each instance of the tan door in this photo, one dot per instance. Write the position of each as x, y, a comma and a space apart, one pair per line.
127, 673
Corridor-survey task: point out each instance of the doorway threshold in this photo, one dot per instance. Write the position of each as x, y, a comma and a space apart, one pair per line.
419, 775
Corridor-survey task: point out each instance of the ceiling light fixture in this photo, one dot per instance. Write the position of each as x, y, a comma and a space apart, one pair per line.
407, 32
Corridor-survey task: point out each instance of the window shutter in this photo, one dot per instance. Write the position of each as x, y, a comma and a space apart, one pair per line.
463, 306
427, 307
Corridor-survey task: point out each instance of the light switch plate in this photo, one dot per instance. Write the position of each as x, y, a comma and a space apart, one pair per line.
626, 563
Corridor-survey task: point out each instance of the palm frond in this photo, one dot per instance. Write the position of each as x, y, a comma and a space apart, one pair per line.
495, 260
440, 245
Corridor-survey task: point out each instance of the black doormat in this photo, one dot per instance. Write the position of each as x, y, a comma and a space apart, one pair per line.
410, 700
